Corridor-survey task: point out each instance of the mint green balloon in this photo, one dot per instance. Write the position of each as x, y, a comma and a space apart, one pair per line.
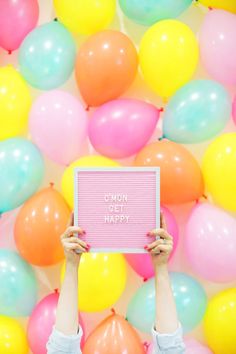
147, 12
190, 298
47, 56
18, 285
197, 112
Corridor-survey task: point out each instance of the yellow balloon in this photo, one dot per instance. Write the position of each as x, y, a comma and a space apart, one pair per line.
85, 16
12, 337
168, 56
67, 183
220, 322
228, 5
219, 170
15, 102
102, 280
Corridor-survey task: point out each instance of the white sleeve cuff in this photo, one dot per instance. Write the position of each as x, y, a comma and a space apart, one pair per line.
168, 342
59, 343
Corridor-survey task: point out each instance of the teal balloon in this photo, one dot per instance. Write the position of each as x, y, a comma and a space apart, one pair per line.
190, 299
18, 285
22, 170
147, 12
197, 112
47, 56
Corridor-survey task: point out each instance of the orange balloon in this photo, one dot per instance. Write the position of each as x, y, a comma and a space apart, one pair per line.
38, 227
181, 177
106, 66
113, 335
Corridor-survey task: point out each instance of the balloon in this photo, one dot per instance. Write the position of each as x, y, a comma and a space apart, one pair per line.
106, 66
211, 226
218, 47
168, 56
18, 291
41, 323
12, 337
180, 174
198, 111
85, 17
53, 115
189, 296
47, 56
219, 170
17, 19
102, 280
219, 322
194, 347
39, 225
15, 103
234, 110
142, 263
22, 170
67, 183
228, 5
147, 13
114, 334
120, 128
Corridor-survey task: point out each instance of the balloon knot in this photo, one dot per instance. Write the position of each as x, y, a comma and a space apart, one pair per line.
210, 8
113, 311
55, 19
161, 109
205, 196
146, 346
145, 279
56, 291
9, 52
51, 184
87, 108
161, 137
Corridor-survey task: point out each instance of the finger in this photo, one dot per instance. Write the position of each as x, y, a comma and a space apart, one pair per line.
76, 240
154, 244
162, 248
71, 230
163, 221
160, 232
75, 246
71, 220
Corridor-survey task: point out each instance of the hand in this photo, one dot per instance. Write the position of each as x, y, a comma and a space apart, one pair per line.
72, 243
160, 249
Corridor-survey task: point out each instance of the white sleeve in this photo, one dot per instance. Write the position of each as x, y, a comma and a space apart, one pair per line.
60, 343
170, 343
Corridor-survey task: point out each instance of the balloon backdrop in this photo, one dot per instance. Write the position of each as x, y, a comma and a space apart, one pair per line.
47, 56
168, 39
102, 279
23, 170
53, 115
18, 291
39, 225
197, 112
234, 110
228, 5
194, 347
106, 66
12, 337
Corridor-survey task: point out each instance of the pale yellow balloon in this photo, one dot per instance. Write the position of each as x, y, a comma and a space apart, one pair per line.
102, 280
15, 102
168, 56
219, 170
67, 182
85, 16
228, 5
12, 337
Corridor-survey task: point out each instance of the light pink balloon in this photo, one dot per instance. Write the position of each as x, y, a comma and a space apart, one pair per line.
58, 126
210, 243
17, 19
194, 347
234, 110
142, 263
41, 323
218, 45
120, 128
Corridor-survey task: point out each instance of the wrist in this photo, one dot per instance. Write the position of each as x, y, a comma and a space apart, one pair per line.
161, 270
72, 265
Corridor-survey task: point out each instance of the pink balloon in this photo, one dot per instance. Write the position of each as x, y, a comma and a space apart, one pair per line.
194, 347
218, 45
210, 243
41, 323
17, 19
234, 110
58, 125
142, 263
120, 128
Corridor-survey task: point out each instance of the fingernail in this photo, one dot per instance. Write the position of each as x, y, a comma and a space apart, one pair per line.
84, 232
148, 234
145, 247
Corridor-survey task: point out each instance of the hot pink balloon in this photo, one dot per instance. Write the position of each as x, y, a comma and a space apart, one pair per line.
234, 110
120, 128
142, 263
41, 323
218, 45
58, 126
210, 243
194, 347
17, 19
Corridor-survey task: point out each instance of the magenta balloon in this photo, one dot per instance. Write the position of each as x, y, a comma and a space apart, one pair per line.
41, 323
17, 19
58, 126
120, 128
218, 45
142, 263
210, 243
194, 347
234, 110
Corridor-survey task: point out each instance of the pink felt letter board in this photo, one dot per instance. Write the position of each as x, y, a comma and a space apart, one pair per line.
117, 207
